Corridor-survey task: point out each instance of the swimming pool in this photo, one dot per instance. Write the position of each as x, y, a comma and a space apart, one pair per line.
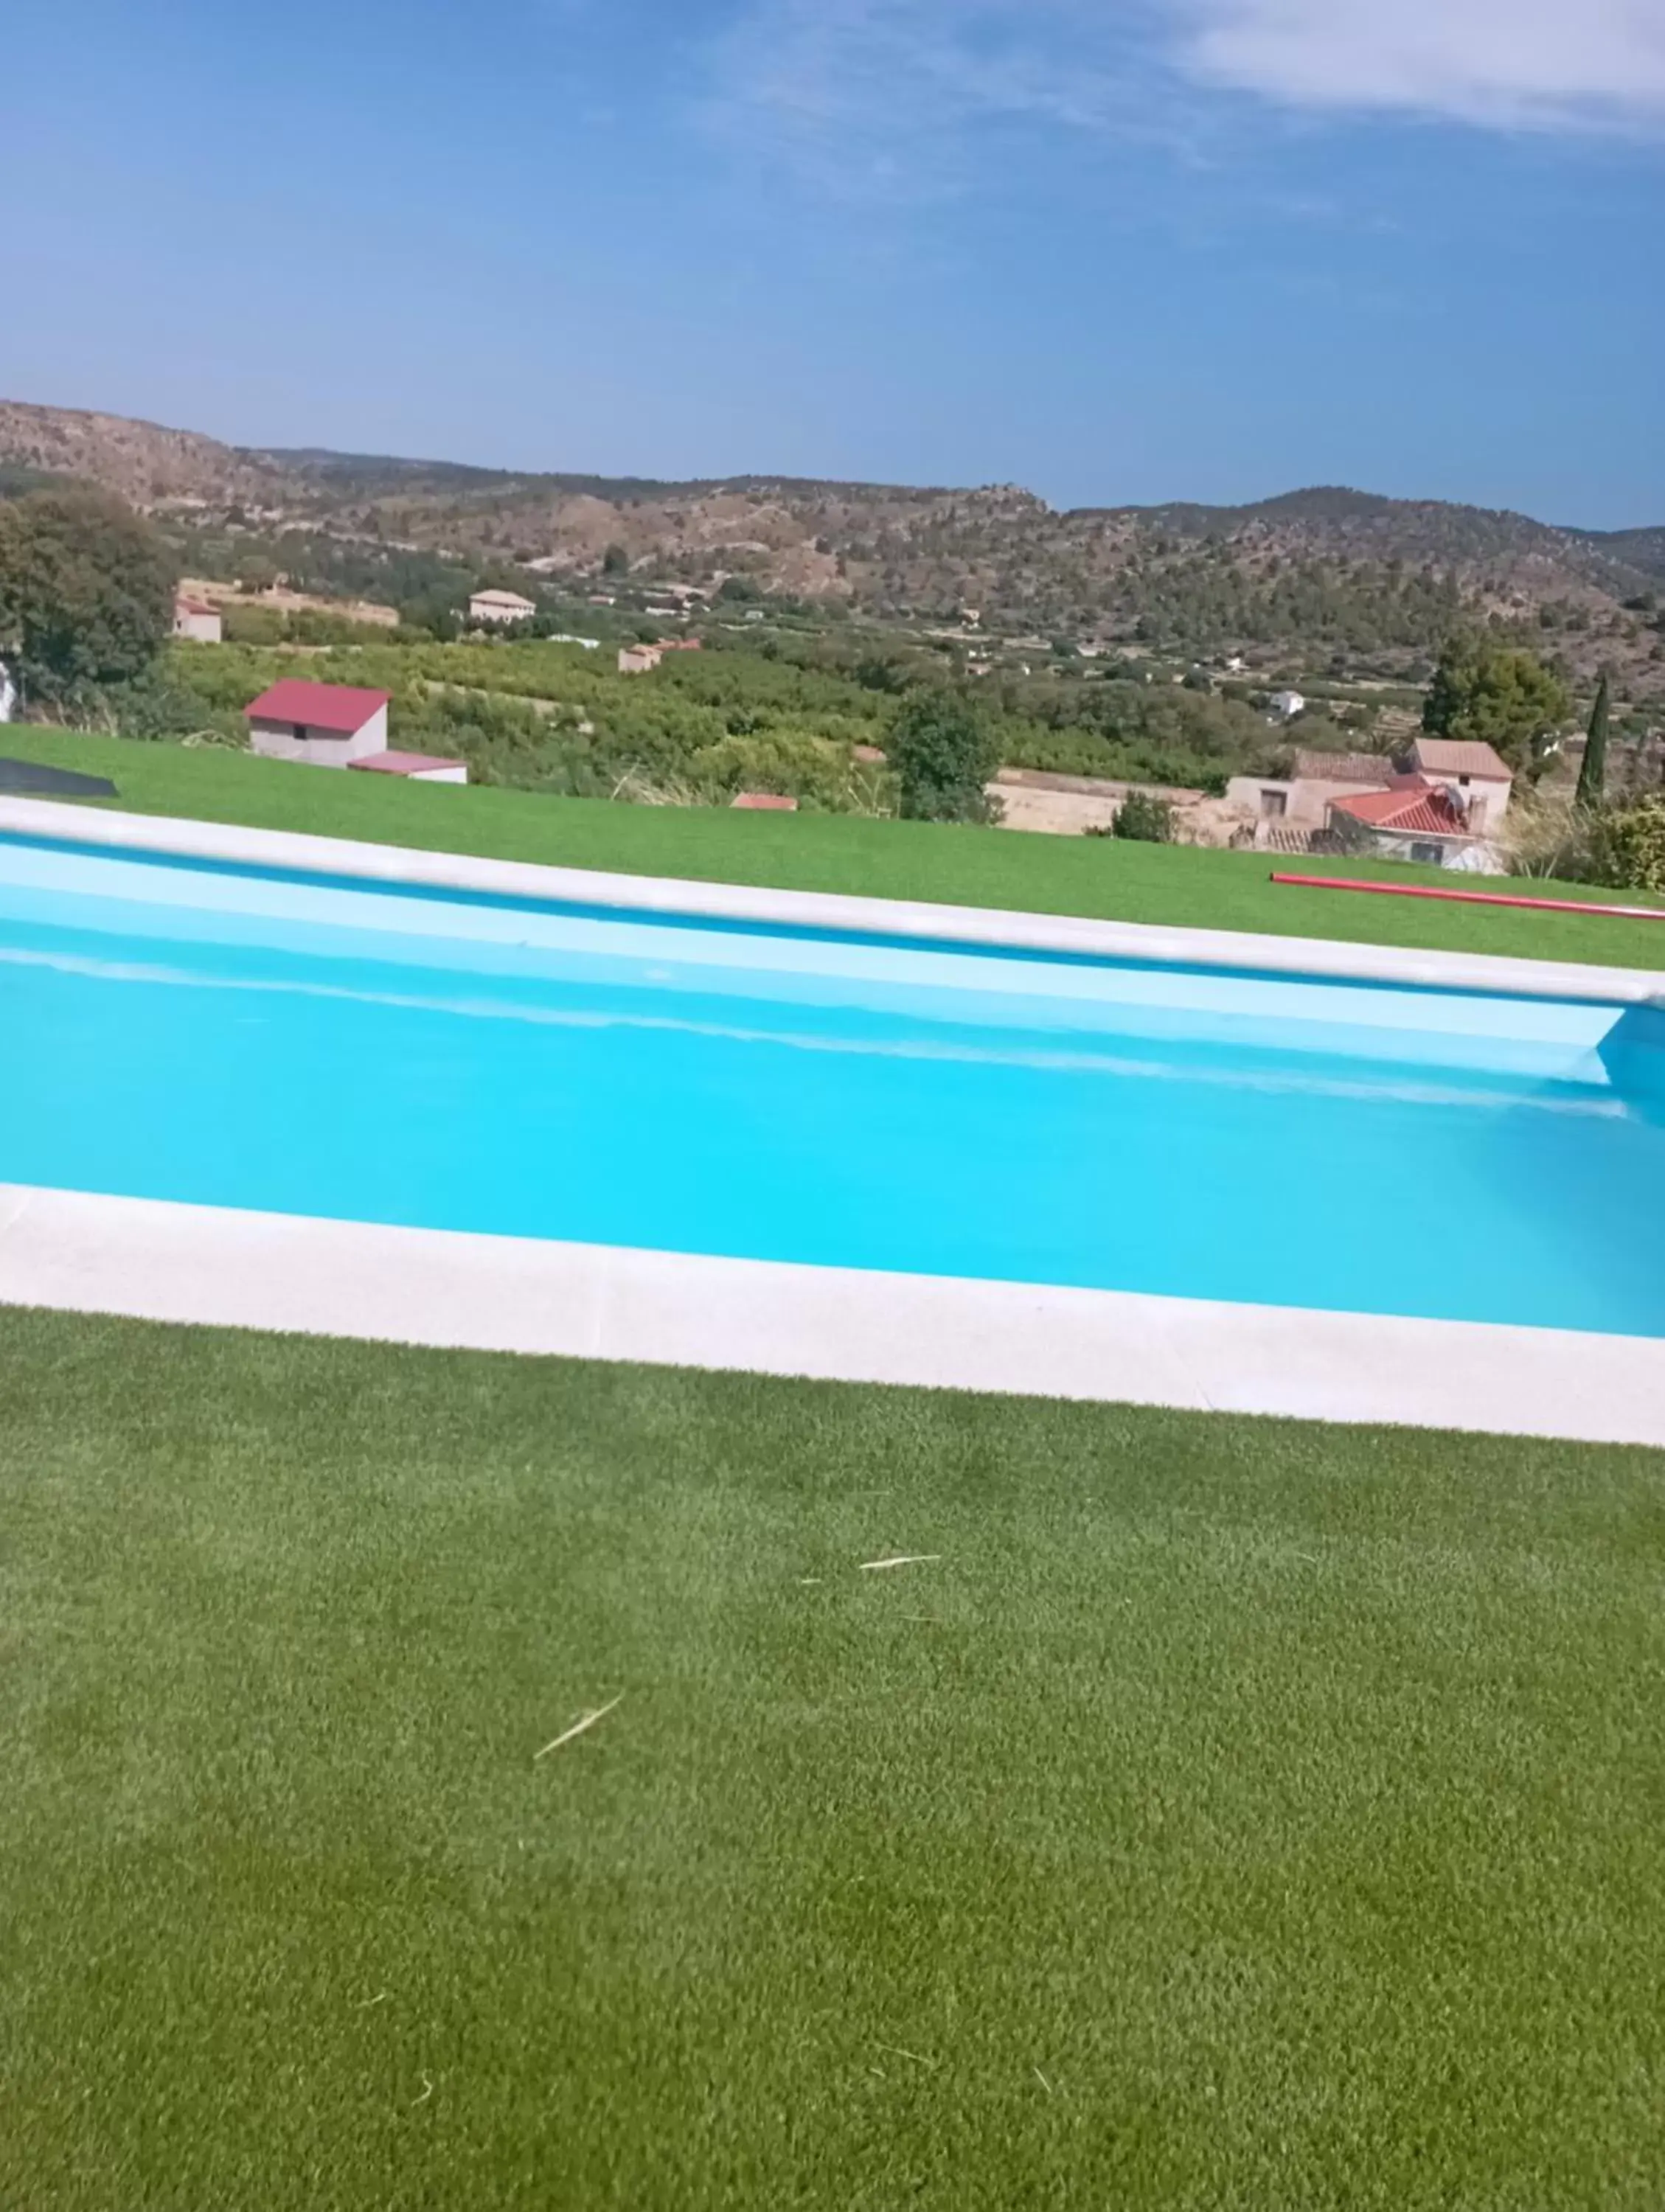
247, 1038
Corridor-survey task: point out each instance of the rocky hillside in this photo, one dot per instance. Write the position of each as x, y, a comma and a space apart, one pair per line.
1332, 576
143, 462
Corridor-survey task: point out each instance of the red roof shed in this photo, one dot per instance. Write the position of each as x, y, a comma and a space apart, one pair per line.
340, 708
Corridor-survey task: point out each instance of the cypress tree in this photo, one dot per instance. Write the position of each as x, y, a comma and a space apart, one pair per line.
1593, 774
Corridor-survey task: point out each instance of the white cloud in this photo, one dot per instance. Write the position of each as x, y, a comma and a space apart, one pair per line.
1566, 64
878, 93
888, 94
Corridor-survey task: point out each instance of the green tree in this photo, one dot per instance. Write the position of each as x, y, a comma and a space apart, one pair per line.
1496, 695
943, 755
256, 572
616, 561
880, 672
433, 614
86, 593
1592, 776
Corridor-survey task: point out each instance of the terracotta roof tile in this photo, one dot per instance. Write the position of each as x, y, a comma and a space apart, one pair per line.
1418, 806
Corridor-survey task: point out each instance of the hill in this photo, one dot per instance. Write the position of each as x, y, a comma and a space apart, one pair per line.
1329, 579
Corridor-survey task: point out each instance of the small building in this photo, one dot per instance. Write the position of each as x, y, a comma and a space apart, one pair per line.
331, 724
1284, 706
197, 620
1300, 800
420, 767
1415, 820
501, 607
637, 660
764, 802
1480, 776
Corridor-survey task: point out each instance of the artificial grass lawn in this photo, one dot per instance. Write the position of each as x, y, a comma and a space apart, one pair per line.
1184, 886
1237, 1813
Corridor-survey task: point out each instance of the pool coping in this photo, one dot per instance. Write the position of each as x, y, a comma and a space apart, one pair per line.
391, 865
159, 1259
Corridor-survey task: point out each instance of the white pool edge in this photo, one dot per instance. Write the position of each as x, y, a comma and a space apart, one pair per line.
157, 1260
168, 837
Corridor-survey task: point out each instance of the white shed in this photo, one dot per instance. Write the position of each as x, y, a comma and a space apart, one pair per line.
332, 725
198, 621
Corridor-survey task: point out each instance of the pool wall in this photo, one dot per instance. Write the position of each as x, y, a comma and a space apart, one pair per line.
167, 1261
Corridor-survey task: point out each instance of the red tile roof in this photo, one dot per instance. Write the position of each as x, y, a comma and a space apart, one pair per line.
338, 707
1413, 805
185, 606
393, 763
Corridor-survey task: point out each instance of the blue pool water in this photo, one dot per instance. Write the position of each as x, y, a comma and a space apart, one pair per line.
245, 1039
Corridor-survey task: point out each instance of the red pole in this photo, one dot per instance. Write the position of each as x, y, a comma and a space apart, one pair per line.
1475, 898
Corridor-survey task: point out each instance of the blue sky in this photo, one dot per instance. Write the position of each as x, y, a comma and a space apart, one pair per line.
1115, 250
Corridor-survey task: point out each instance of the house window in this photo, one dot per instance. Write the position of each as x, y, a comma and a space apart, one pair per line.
1434, 855
300, 733
1274, 802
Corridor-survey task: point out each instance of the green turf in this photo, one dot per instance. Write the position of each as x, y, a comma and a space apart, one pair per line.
1237, 1813
1181, 885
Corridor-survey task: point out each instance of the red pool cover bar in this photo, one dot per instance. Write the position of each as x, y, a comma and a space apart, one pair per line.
1475, 898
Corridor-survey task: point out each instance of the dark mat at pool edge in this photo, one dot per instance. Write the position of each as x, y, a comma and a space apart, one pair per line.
29, 779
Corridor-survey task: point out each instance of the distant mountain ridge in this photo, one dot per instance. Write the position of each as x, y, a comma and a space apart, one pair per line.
1447, 528
1300, 566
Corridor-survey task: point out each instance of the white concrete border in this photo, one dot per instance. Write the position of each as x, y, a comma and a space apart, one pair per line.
164, 1261
1057, 933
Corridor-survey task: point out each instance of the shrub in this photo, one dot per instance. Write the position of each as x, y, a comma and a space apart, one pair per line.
1145, 817
796, 764
1634, 847
156, 705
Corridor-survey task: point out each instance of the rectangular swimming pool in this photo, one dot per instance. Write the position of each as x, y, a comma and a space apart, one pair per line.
240, 1037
